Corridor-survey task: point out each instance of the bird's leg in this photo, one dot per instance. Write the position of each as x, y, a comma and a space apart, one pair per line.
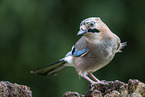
93, 77
91, 81
87, 78
96, 80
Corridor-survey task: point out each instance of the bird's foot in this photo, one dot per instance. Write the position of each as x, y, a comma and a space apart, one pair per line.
98, 83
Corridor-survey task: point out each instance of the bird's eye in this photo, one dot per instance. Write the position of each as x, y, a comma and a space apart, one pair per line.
91, 24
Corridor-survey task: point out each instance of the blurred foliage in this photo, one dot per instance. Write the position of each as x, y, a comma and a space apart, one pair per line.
35, 33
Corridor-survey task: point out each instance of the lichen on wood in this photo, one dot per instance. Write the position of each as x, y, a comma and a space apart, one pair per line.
134, 88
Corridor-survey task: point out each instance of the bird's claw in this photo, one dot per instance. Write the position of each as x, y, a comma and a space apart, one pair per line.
96, 83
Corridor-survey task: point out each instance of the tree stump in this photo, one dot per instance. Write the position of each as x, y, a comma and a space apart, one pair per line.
8, 89
134, 88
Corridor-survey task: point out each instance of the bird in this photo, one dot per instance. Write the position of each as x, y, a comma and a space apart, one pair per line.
96, 47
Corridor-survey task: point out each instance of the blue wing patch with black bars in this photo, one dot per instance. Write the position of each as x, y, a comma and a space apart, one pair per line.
78, 53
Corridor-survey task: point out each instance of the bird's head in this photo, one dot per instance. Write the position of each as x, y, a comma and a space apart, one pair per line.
93, 27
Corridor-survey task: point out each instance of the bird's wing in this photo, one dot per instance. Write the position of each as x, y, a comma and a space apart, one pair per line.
80, 48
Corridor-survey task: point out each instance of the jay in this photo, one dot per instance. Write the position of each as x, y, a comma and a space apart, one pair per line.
94, 50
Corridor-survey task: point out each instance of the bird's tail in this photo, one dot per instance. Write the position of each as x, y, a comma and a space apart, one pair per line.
51, 69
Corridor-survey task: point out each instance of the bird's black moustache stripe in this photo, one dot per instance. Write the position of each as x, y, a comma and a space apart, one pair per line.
93, 30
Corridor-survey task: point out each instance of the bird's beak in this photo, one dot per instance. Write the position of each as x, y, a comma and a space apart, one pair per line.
81, 32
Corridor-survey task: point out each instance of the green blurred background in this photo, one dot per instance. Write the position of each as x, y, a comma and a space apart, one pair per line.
35, 33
